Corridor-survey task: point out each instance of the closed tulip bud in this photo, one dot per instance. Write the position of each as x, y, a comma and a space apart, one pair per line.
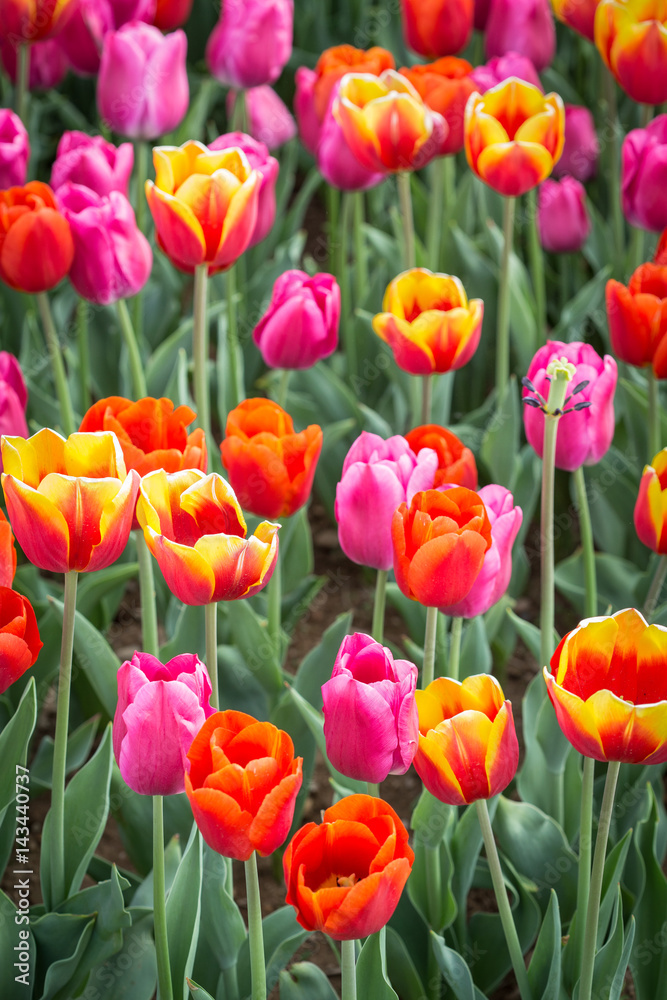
13, 398
269, 119
160, 710
48, 63
578, 14
370, 714
300, 327
7, 553
563, 221
19, 637
34, 20
524, 26
445, 86
142, 87
437, 27
377, 477
84, 34
581, 151
644, 175
456, 463
651, 506
501, 68
36, 245
637, 317
631, 37
251, 42
14, 149
266, 167
170, 14
92, 161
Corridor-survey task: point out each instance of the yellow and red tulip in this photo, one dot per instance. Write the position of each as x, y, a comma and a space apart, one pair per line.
631, 36
651, 506
578, 14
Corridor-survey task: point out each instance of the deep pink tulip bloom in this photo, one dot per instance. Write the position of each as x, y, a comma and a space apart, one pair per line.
14, 150
48, 63
584, 436
371, 723
251, 42
494, 576
378, 476
160, 710
13, 398
267, 167
563, 221
304, 108
644, 176
524, 26
84, 33
112, 257
92, 161
142, 88
269, 118
581, 151
502, 68
300, 327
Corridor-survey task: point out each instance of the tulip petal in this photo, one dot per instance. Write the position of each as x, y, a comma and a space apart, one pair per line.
514, 168
444, 569
177, 229
39, 527
186, 572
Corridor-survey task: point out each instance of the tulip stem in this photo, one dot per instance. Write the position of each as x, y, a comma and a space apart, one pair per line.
373, 789
136, 365
377, 628
211, 632
274, 608
612, 129
255, 931
348, 961
536, 256
443, 174
585, 845
84, 352
283, 386
360, 263
239, 122
427, 397
165, 990
149, 633
428, 671
58, 887
587, 543
141, 159
22, 81
455, 647
503, 328
57, 366
405, 201
200, 354
653, 596
234, 348
597, 874
504, 909
654, 435
346, 319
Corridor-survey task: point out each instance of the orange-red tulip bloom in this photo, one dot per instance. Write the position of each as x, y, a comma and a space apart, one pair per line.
203, 203
70, 501
456, 463
337, 61
437, 27
468, 748
242, 784
271, 468
19, 637
439, 545
651, 506
346, 874
445, 86
36, 245
7, 553
637, 316
428, 322
194, 527
631, 36
514, 134
34, 20
609, 688
578, 14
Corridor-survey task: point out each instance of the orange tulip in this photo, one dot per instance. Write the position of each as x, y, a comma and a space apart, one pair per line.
608, 686
445, 86
19, 637
203, 203
468, 748
456, 463
7, 553
36, 245
437, 27
631, 36
338, 60
70, 501
637, 317
270, 467
514, 134
578, 14
439, 545
428, 322
194, 527
386, 124
242, 784
34, 20
346, 874
651, 506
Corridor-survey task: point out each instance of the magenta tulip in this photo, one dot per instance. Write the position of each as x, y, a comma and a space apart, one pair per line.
92, 161
378, 476
300, 327
142, 88
584, 436
112, 258
13, 398
160, 710
502, 68
269, 119
304, 108
563, 221
84, 32
644, 176
371, 724
581, 150
267, 167
524, 26
14, 150
48, 63
494, 576
251, 42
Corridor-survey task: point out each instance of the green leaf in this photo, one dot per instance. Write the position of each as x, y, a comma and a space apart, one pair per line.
305, 981
455, 970
79, 744
282, 936
401, 968
183, 911
130, 974
612, 959
544, 971
296, 550
250, 635
14, 740
433, 822
198, 992
371, 978
68, 936
530, 634
95, 586
143, 897
466, 843
649, 956
95, 663
476, 655
221, 921
500, 445
617, 579
537, 784
575, 314
13, 934
316, 666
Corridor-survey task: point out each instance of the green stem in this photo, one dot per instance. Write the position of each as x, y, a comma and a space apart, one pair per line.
373, 789
654, 435
536, 256
239, 121
22, 81
614, 168
84, 352
597, 874
255, 932
547, 610
427, 397
229, 878
58, 887
653, 596
504, 909
346, 324
377, 628
333, 200
428, 671
636, 248
57, 366
200, 354
149, 633
360, 262
455, 648
405, 201
230, 983
165, 990
587, 544
348, 961
585, 852
434, 227
503, 328
645, 114
136, 365
211, 633
433, 873
234, 348
283, 386
141, 152
274, 608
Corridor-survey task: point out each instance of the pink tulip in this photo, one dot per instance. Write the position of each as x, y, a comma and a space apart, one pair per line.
92, 161
251, 42
371, 724
644, 176
142, 89
524, 26
269, 119
84, 33
494, 576
501, 68
562, 217
581, 150
584, 436
13, 398
378, 476
300, 327
48, 63
14, 150
160, 710
304, 108
112, 258
267, 167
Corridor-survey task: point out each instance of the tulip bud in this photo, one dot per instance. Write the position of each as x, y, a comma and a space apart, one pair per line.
13, 398
631, 37
524, 26
269, 120
456, 463
48, 63
19, 637
36, 245
644, 175
581, 150
562, 217
14, 149
651, 508
300, 327
251, 42
92, 161
637, 317
437, 27
501, 68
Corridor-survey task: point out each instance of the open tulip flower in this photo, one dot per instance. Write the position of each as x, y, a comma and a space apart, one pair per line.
637, 316
19, 636
36, 245
514, 135
608, 685
428, 322
651, 506
468, 749
70, 501
194, 527
456, 463
346, 874
631, 36
577, 14
203, 203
